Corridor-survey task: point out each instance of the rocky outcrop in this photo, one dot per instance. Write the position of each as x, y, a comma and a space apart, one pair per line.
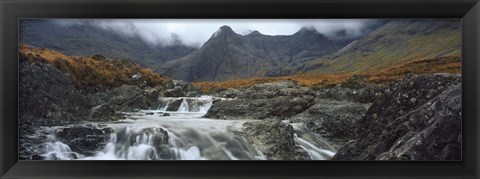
269, 100
129, 98
274, 139
353, 90
418, 118
84, 140
333, 120
182, 89
48, 96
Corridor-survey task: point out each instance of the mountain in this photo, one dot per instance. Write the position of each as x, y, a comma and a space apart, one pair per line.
397, 42
89, 40
228, 55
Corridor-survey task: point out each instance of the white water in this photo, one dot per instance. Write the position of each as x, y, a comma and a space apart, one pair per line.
190, 137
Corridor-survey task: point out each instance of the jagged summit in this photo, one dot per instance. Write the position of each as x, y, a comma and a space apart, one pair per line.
226, 27
224, 30
306, 30
228, 55
254, 33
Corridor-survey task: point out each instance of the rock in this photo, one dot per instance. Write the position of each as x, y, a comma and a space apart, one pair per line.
279, 107
83, 140
129, 98
48, 95
351, 91
333, 120
274, 139
159, 137
175, 104
270, 100
273, 90
398, 128
175, 92
166, 114
182, 89
37, 157
104, 113
229, 93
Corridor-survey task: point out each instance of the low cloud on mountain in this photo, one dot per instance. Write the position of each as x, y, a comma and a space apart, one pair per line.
194, 32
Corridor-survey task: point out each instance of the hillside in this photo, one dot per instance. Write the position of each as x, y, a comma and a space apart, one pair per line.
228, 55
88, 40
94, 71
396, 42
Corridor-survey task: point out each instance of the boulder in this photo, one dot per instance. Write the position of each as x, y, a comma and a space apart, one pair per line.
129, 98
269, 100
333, 120
104, 113
159, 138
274, 139
84, 140
175, 104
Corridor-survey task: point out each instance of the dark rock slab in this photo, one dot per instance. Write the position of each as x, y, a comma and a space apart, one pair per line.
274, 139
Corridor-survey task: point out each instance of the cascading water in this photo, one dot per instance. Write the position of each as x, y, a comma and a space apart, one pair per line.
181, 135
316, 148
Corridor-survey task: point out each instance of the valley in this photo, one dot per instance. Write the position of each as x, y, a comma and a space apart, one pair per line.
391, 93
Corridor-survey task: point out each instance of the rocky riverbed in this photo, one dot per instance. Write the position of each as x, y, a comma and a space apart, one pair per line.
417, 118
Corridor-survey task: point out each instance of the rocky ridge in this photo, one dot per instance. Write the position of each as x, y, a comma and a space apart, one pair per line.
418, 118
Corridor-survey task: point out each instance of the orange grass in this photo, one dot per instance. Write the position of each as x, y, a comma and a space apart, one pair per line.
449, 64
92, 71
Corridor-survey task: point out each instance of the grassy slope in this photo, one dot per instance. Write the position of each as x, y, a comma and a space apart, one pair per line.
449, 64
397, 42
92, 71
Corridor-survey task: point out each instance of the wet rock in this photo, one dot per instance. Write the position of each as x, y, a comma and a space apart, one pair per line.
159, 138
84, 140
333, 120
274, 139
104, 113
270, 100
37, 157
129, 98
398, 128
175, 104
166, 114
149, 113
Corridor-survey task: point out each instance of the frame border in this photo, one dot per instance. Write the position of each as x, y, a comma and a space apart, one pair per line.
12, 10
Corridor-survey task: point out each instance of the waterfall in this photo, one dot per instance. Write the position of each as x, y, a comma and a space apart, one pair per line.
185, 104
183, 135
316, 148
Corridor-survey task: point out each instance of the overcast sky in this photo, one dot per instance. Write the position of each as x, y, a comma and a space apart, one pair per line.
195, 32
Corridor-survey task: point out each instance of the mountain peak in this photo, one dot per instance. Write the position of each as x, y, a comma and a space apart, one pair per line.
225, 27
223, 30
254, 33
304, 30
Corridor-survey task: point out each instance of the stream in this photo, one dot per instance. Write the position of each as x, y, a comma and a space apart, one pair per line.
158, 134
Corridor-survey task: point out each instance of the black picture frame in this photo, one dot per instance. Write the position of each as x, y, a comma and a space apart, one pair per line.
12, 10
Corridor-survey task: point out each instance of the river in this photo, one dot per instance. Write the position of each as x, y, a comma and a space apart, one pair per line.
190, 136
